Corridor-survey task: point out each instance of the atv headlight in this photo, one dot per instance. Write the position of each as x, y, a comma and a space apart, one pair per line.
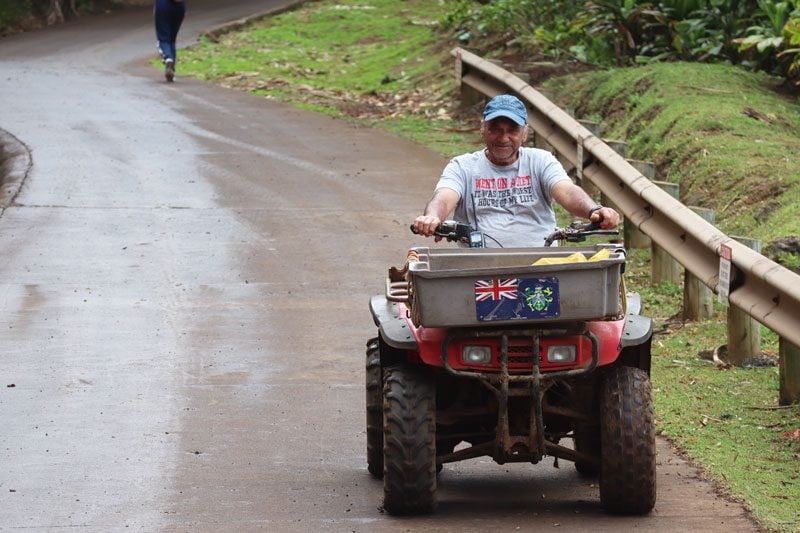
476, 355
561, 353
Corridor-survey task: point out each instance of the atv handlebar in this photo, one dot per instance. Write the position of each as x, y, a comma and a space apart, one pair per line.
575, 232
455, 231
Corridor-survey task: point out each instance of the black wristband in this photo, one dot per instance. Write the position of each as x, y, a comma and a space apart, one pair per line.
592, 210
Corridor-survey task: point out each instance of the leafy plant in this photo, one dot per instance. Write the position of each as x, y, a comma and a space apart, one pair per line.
11, 12
543, 24
767, 36
759, 34
792, 55
705, 33
623, 23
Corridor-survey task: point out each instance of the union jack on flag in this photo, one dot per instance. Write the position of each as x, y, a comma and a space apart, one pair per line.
496, 289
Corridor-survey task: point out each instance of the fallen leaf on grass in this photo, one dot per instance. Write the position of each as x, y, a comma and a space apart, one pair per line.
719, 361
758, 115
792, 435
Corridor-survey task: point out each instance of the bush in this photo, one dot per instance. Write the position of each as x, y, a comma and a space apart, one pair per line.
14, 14
12, 11
771, 44
758, 34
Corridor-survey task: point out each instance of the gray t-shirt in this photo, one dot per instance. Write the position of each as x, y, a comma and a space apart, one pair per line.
512, 204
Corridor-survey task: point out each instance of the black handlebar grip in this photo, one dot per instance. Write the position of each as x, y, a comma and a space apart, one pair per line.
592, 226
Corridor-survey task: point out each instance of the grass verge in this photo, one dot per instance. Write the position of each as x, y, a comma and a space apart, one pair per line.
725, 419
724, 134
381, 63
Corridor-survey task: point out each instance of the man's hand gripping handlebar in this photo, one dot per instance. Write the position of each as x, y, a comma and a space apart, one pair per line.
456, 232
577, 232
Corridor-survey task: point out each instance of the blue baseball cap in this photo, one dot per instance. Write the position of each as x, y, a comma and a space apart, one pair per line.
507, 106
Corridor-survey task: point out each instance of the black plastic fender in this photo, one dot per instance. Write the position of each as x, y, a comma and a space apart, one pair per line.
633, 303
634, 344
392, 324
638, 329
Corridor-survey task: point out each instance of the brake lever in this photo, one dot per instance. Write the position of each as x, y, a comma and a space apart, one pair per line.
577, 232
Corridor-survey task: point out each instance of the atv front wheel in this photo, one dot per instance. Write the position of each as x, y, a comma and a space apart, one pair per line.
374, 409
409, 436
628, 444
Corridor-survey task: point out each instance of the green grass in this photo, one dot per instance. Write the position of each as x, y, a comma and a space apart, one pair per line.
335, 58
384, 64
726, 135
727, 421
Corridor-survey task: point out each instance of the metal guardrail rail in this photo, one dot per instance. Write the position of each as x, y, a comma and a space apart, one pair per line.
760, 287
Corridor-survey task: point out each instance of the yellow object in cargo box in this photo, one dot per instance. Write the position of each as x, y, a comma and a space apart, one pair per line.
573, 258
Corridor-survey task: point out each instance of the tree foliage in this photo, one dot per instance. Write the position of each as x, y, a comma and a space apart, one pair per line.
758, 34
48, 12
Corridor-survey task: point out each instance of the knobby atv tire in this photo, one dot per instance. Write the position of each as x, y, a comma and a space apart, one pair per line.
628, 445
374, 409
409, 441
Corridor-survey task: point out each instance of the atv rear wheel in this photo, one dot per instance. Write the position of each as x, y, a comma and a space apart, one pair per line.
374, 409
409, 433
628, 446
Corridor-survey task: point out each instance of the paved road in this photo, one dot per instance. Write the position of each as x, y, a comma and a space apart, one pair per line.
184, 280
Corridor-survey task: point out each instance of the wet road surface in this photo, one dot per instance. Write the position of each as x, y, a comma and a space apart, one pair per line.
184, 278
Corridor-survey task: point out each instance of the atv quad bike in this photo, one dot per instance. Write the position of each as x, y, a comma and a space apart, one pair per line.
505, 353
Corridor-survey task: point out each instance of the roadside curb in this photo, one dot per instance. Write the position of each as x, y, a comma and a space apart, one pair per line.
15, 164
214, 34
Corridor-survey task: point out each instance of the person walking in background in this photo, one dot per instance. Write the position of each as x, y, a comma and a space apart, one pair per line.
169, 16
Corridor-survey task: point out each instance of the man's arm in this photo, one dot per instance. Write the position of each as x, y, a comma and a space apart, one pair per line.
444, 200
578, 203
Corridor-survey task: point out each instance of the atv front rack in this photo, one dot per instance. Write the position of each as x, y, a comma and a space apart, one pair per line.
540, 286
533, 446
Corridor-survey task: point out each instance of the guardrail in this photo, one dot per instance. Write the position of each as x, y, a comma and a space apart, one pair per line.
763, 289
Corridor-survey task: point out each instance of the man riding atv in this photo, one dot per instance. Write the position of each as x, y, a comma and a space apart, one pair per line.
505, 352
506, 190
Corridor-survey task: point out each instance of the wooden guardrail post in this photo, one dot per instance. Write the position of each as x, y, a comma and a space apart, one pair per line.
789, 373
469, 96
663, 266
698, 299
744, 332
591, 125
524, 76
634, 237
569, 167
590, 188
621, 148
539, 142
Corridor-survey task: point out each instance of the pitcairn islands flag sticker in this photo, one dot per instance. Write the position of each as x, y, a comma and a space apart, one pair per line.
516, 298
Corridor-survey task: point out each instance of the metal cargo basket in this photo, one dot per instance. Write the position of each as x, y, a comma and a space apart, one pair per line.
461, 287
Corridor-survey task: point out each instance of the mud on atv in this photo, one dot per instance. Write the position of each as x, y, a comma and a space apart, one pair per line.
479, 348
